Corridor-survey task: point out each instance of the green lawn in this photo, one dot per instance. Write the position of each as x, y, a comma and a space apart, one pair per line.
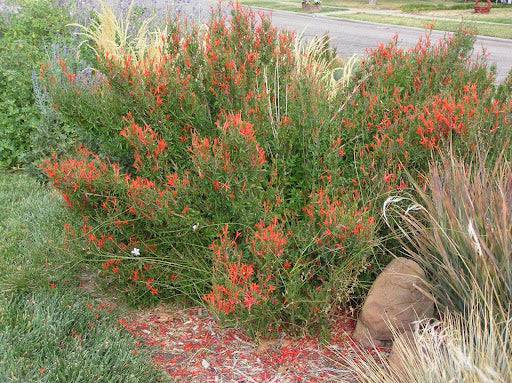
386, 4
33, 252
444, 15
498, 15
51, 336
495, 30
48, 331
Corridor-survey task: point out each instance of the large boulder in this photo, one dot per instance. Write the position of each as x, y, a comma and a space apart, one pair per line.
396, 299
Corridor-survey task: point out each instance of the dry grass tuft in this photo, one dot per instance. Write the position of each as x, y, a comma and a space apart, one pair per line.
459, 230
471, 348
116, 36
316, 58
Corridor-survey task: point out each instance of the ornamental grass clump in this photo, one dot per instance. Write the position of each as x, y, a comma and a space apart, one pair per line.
240, 165
458, 228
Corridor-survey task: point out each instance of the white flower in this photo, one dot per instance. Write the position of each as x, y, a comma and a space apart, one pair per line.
195, 226
205, 364
135, 252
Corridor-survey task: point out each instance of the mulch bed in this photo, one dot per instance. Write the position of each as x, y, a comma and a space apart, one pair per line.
191, 346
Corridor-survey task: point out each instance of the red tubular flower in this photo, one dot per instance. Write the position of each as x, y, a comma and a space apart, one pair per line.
67, 200
268, 240
249, 300
261, 158
161, 146
150, 287
172, 180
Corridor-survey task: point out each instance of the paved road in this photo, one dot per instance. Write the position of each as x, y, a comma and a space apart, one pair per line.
351, 37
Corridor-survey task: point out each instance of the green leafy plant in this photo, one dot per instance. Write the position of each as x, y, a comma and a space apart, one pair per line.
24, 38
230, 164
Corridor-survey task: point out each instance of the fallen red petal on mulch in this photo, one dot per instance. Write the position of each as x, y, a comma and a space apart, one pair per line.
191, 346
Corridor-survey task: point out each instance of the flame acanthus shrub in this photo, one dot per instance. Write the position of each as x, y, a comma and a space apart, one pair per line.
241, 177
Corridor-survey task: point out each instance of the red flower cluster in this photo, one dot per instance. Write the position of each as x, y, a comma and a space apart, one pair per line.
336, 222
243, 285
268, 240
145, 143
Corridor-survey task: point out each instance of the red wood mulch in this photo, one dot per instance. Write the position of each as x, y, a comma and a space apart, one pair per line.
191, 347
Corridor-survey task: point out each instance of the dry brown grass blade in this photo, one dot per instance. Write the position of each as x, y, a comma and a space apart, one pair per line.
462, 235
471, 348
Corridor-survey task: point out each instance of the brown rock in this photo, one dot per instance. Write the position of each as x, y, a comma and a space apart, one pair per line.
396, 299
